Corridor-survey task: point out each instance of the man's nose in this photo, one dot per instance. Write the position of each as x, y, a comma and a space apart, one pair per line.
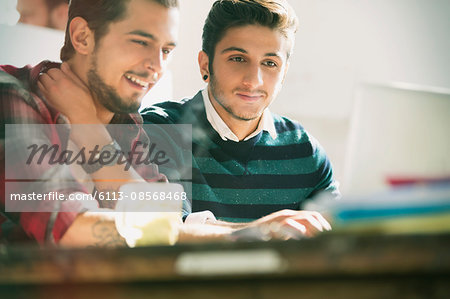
154, 61
253, 76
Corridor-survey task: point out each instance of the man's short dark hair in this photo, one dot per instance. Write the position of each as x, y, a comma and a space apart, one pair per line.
99, 14
225, 14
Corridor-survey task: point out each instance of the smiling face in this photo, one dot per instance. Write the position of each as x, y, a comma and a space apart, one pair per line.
248, 69
132, 56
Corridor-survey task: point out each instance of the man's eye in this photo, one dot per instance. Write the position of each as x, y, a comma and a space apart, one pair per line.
237, 59
140, 42
270, 63
166, 51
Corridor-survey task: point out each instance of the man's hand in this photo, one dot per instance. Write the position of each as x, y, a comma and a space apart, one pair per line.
68, 94
286, 224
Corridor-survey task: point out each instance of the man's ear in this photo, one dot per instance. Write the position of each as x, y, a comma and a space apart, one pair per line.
203, 63
81, 36
59, 16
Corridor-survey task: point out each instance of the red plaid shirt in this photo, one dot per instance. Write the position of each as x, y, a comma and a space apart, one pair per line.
22, 103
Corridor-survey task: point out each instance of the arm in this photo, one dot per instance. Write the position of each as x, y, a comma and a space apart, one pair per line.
98, 229
325, 180
26, 116
93, 229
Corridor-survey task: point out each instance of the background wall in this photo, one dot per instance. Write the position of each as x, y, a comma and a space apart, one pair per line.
339, 44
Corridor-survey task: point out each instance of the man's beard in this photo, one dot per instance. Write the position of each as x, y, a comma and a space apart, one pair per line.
106, 95
219, 97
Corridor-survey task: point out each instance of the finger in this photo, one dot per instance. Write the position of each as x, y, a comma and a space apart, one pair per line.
42, 88
305, 218
55, 73
65, 68
298, 226
280, 231
314, 222
322, 220
280, 215
294, 229
45, 80
310, 229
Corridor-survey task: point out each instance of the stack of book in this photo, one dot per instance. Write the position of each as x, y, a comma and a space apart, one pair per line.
409, 206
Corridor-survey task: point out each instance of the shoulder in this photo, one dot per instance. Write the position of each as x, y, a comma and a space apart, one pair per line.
165, 112
291, 131
171, 112
285, 124
18, 102
10, 80
317, 161
289, 128
14, 86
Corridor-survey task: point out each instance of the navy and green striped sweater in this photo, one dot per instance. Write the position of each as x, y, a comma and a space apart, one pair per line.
242, 181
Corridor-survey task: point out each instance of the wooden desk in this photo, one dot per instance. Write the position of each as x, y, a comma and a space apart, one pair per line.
329, 266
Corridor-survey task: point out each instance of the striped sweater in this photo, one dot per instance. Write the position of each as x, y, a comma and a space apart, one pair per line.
243, 181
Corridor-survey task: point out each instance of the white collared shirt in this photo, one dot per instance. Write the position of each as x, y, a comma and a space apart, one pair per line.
266, 122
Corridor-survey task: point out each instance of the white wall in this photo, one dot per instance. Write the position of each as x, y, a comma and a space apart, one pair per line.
341, 42
186, 74
23, 44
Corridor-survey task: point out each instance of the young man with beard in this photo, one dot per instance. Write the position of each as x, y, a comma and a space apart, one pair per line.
247, 162
114, 51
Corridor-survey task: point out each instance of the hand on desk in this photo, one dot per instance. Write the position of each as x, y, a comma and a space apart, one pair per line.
291, 224
282, 225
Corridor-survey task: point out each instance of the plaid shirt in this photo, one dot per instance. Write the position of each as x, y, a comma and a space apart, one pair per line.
22, 103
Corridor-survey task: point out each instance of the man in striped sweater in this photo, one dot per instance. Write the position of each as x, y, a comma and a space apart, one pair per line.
247, 163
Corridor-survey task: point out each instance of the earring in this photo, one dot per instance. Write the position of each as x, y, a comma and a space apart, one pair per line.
205, 77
